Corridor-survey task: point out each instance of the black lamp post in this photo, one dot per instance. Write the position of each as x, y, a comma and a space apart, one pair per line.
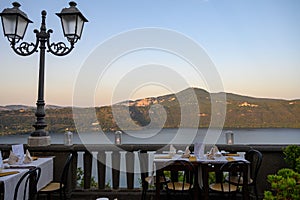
15, 23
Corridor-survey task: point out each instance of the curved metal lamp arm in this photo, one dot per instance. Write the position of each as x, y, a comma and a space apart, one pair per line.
25, 48
60, 48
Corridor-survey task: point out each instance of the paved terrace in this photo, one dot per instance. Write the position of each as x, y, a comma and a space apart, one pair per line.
272, 162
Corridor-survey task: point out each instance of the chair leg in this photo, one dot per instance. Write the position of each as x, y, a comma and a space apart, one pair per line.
65, 194
256, 193
168, 194
191, 195
60, 194
144, 194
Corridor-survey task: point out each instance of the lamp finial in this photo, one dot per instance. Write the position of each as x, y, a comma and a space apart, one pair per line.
16, 4
73, 3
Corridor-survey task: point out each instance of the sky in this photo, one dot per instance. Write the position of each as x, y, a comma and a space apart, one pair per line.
254, 47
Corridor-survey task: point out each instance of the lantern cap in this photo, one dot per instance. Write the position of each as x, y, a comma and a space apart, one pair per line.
71, 11
15, 11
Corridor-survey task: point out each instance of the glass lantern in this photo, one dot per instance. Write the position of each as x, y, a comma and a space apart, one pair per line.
68, 141
229, 137
118, 137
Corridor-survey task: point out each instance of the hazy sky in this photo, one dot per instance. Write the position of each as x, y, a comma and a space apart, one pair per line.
254, 45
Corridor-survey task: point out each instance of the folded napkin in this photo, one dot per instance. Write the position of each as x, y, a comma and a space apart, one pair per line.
13, 158
187, 152
210, 157
214, 152
172, 151
1, 161
28, 159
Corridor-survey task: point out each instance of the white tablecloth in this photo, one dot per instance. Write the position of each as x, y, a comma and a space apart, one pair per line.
46, 165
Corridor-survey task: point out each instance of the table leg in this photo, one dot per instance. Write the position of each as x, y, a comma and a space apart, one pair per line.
1, 191
245, 183
197, 187
205, 182
157, 185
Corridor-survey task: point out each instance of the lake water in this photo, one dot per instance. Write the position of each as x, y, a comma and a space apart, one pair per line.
165, 136
241, 136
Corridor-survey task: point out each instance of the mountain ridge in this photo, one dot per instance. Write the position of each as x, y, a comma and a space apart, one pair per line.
228, 94
241, 112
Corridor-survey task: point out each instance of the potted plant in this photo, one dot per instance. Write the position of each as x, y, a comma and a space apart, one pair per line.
285, 185
292, 157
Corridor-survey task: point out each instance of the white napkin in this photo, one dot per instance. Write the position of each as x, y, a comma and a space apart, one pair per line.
187, 152
1, 162
13, 158
28, 158
199, 149
214, 152
172, 150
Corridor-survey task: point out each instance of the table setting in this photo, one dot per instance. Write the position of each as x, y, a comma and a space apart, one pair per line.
205, 162
17, 164
213, 156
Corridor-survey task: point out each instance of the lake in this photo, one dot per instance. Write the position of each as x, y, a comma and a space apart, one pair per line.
165, 136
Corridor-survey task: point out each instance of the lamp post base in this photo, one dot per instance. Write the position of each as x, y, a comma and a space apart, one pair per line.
39, 141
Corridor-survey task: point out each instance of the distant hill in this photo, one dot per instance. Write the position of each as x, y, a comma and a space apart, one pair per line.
242, 112
24, 107
15, 107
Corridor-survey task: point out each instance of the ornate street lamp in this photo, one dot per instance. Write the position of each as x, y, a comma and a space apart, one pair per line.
15, 23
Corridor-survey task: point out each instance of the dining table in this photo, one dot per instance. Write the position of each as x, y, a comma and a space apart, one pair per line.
11, 174
204, 165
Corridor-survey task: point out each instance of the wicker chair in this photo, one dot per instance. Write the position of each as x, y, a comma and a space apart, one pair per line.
61, 185
183, 184
30, 180
230, 169
145, 178
255, 159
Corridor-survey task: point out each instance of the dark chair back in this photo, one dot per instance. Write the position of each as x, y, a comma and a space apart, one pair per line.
182, 177
231, 169
30, 180
65, 172
186, 170
255, 159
